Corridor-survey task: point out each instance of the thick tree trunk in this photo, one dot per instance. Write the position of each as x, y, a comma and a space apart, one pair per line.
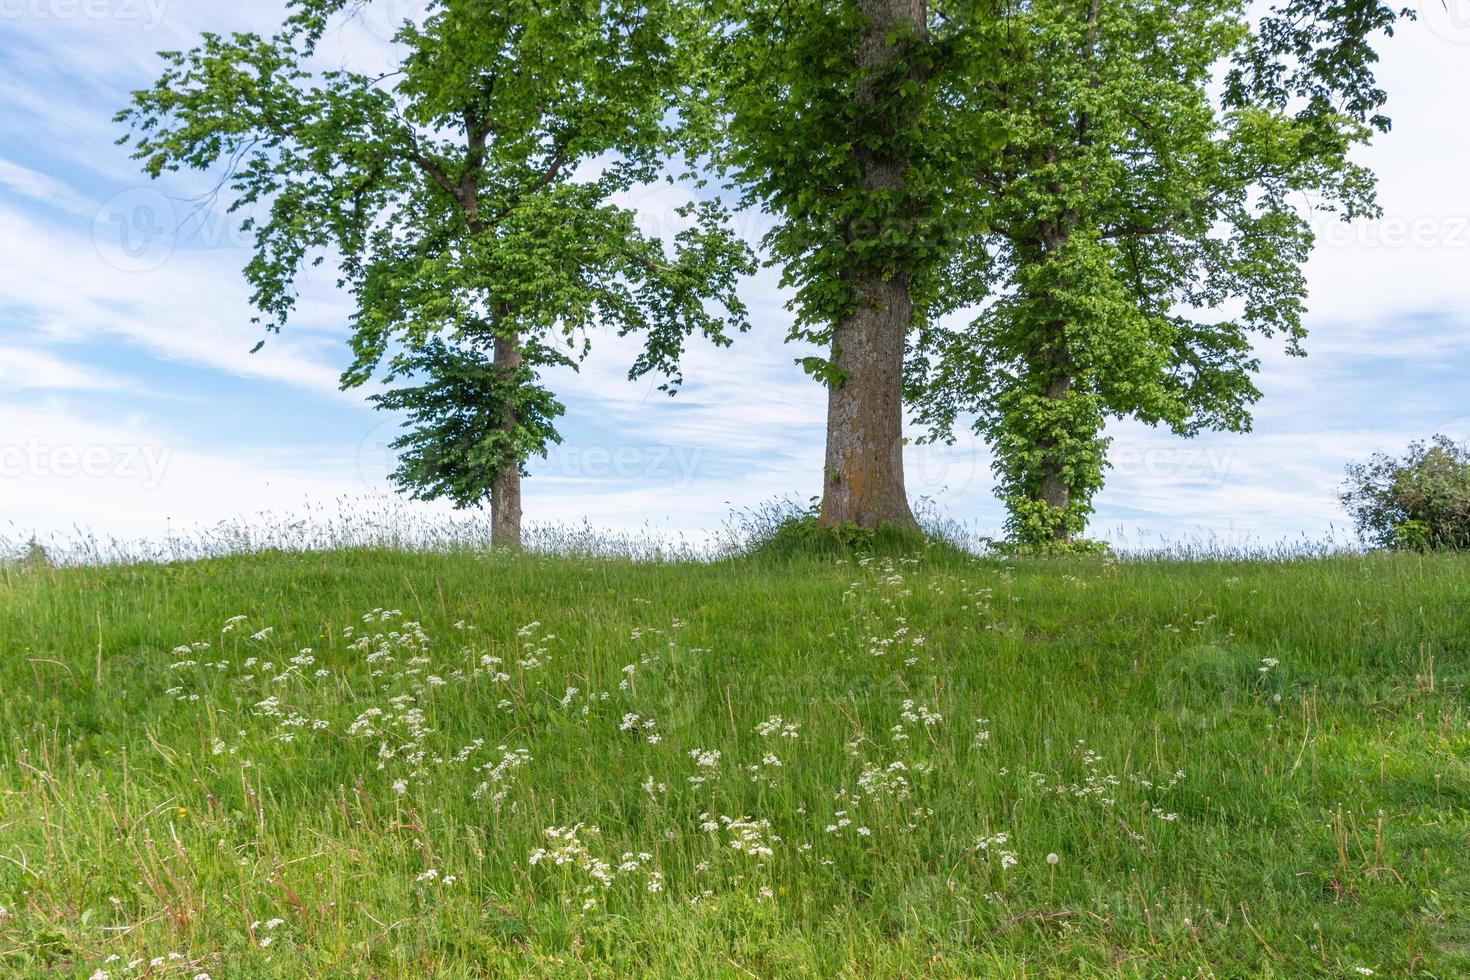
864, 468
505, 487
863, 480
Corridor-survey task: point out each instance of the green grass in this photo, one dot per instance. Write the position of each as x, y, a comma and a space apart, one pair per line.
1319, 826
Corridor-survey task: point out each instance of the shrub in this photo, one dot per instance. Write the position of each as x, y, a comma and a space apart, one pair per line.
1420, 502
786, 528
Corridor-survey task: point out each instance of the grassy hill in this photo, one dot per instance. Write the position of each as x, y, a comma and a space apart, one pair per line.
375, 763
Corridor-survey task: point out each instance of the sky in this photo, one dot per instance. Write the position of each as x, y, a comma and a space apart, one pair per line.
132, 408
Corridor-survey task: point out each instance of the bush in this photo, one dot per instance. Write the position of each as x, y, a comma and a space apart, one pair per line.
1019, 547
788, 529
1420, 502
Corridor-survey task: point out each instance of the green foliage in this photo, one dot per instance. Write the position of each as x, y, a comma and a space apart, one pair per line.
786, 530
466, 420
804, 537
1316, 58
796, 134
1042, 546
1061, 165
1128, 214
469, 194
1072, 169
1419, 502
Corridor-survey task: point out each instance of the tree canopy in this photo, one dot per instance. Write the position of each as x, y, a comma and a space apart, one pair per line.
1141, 230
1029, 216
470, 198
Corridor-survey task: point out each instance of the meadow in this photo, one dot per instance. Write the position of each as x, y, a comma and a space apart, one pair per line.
457, 763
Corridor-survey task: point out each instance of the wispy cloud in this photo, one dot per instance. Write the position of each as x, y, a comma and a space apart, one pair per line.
193, 309
25, 368
114, 291
24, 182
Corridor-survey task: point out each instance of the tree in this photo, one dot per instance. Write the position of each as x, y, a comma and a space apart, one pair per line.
835, 122
924, 157
1128, 212
469, 195
469, 414
1420, 502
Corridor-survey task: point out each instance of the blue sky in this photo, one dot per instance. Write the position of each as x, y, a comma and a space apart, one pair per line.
130, 404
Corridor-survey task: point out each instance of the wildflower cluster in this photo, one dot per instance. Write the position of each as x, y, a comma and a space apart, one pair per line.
1099, 785
995, 847
752, 838
567, 850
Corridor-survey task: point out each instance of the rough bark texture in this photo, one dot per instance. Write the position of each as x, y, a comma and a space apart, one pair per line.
864, 467
863, 480
505, 488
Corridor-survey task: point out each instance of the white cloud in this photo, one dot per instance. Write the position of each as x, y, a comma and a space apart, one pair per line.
1417, 257
26, 368
1386, 306
62, 469
39, 187
193, 307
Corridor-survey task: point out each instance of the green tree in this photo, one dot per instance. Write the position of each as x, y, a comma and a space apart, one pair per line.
1420, 502
837, 123
469, 196
922, 157
1143, 231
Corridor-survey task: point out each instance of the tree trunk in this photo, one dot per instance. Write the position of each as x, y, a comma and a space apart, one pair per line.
863, 477
864, 469
1056, 493
505, 487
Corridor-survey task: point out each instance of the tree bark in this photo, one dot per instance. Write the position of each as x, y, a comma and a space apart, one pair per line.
505, 486
864, 466
863, 478
1056, 493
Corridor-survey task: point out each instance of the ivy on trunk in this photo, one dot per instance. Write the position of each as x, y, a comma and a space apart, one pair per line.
1143, 233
